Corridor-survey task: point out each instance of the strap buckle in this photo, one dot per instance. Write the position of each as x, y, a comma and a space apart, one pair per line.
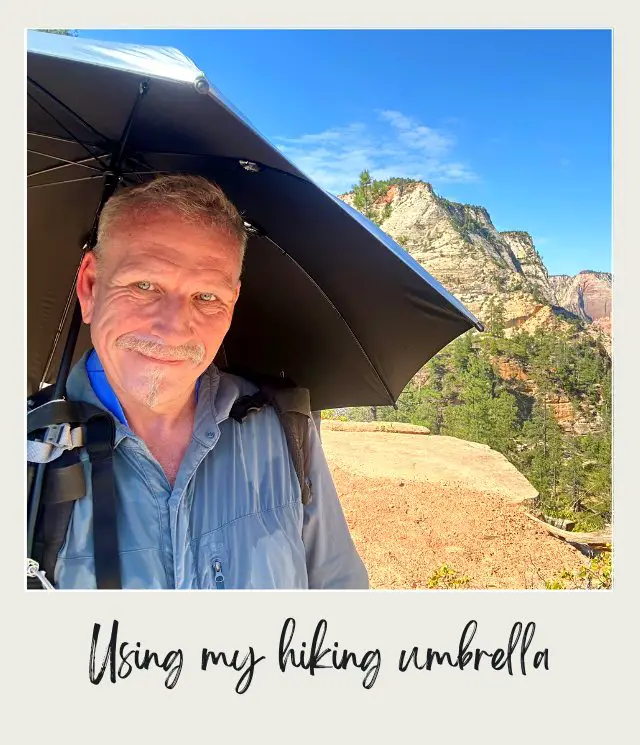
55, 435
33, 570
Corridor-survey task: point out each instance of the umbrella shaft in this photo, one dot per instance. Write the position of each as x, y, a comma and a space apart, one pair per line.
67, 354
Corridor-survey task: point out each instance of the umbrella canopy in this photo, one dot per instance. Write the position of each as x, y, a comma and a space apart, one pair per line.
327, 298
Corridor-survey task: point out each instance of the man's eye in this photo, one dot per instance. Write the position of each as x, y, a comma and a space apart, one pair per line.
207, 297
144, 285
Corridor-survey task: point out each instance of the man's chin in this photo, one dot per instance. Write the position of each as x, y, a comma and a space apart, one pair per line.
152, 384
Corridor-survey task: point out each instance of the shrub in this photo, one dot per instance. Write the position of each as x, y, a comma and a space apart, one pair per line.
446, 578
597, 575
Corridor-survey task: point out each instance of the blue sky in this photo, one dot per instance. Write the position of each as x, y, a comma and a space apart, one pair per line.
516, 121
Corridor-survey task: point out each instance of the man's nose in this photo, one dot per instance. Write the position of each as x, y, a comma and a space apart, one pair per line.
171, 319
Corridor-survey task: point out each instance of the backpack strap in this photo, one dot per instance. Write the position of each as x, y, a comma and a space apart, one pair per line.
101, 433
55, 481
292, 405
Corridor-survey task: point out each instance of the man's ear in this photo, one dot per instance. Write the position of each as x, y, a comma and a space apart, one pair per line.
86, 285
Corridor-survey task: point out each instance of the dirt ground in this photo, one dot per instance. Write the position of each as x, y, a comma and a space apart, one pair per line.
416, 503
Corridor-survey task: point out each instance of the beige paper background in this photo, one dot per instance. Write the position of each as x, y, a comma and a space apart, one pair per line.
588, 692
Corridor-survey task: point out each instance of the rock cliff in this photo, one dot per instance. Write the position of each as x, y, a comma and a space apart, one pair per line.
459, 245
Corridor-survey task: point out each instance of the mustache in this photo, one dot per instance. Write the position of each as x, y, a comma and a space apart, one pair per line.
193, 352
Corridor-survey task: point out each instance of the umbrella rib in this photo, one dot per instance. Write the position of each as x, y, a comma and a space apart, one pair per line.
64, 161
132, 158
69, 181
60, 139
67, 108
342, 318
61, 125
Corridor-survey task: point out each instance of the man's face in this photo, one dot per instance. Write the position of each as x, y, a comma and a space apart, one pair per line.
159, 300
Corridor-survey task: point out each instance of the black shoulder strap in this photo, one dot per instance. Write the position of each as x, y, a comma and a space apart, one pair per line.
100, 445
292, 406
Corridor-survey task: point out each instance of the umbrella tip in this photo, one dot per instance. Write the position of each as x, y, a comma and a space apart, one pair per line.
201, 84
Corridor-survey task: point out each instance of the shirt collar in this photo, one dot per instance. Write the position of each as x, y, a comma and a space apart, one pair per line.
102, 388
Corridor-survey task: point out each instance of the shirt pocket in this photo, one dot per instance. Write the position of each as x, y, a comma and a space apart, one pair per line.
212, 563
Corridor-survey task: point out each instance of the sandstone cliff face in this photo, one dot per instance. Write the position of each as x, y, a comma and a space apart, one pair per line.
559, 284
531, 264
459, 245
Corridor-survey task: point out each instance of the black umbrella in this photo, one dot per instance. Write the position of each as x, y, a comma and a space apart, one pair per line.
328, 300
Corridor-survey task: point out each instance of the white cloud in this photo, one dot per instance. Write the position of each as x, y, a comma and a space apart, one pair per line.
396, 145
416, 136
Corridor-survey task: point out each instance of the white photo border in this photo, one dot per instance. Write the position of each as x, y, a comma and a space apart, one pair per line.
589, 635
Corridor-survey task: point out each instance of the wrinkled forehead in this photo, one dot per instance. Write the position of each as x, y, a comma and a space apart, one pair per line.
145, 233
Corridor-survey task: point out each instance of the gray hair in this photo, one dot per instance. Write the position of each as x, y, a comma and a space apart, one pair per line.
194, 198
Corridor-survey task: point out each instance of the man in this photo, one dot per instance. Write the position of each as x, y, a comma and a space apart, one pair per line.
203, 500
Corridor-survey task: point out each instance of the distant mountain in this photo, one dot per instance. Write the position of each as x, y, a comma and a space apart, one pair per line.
587, 294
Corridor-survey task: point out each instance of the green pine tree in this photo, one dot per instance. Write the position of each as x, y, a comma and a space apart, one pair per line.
363, 196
